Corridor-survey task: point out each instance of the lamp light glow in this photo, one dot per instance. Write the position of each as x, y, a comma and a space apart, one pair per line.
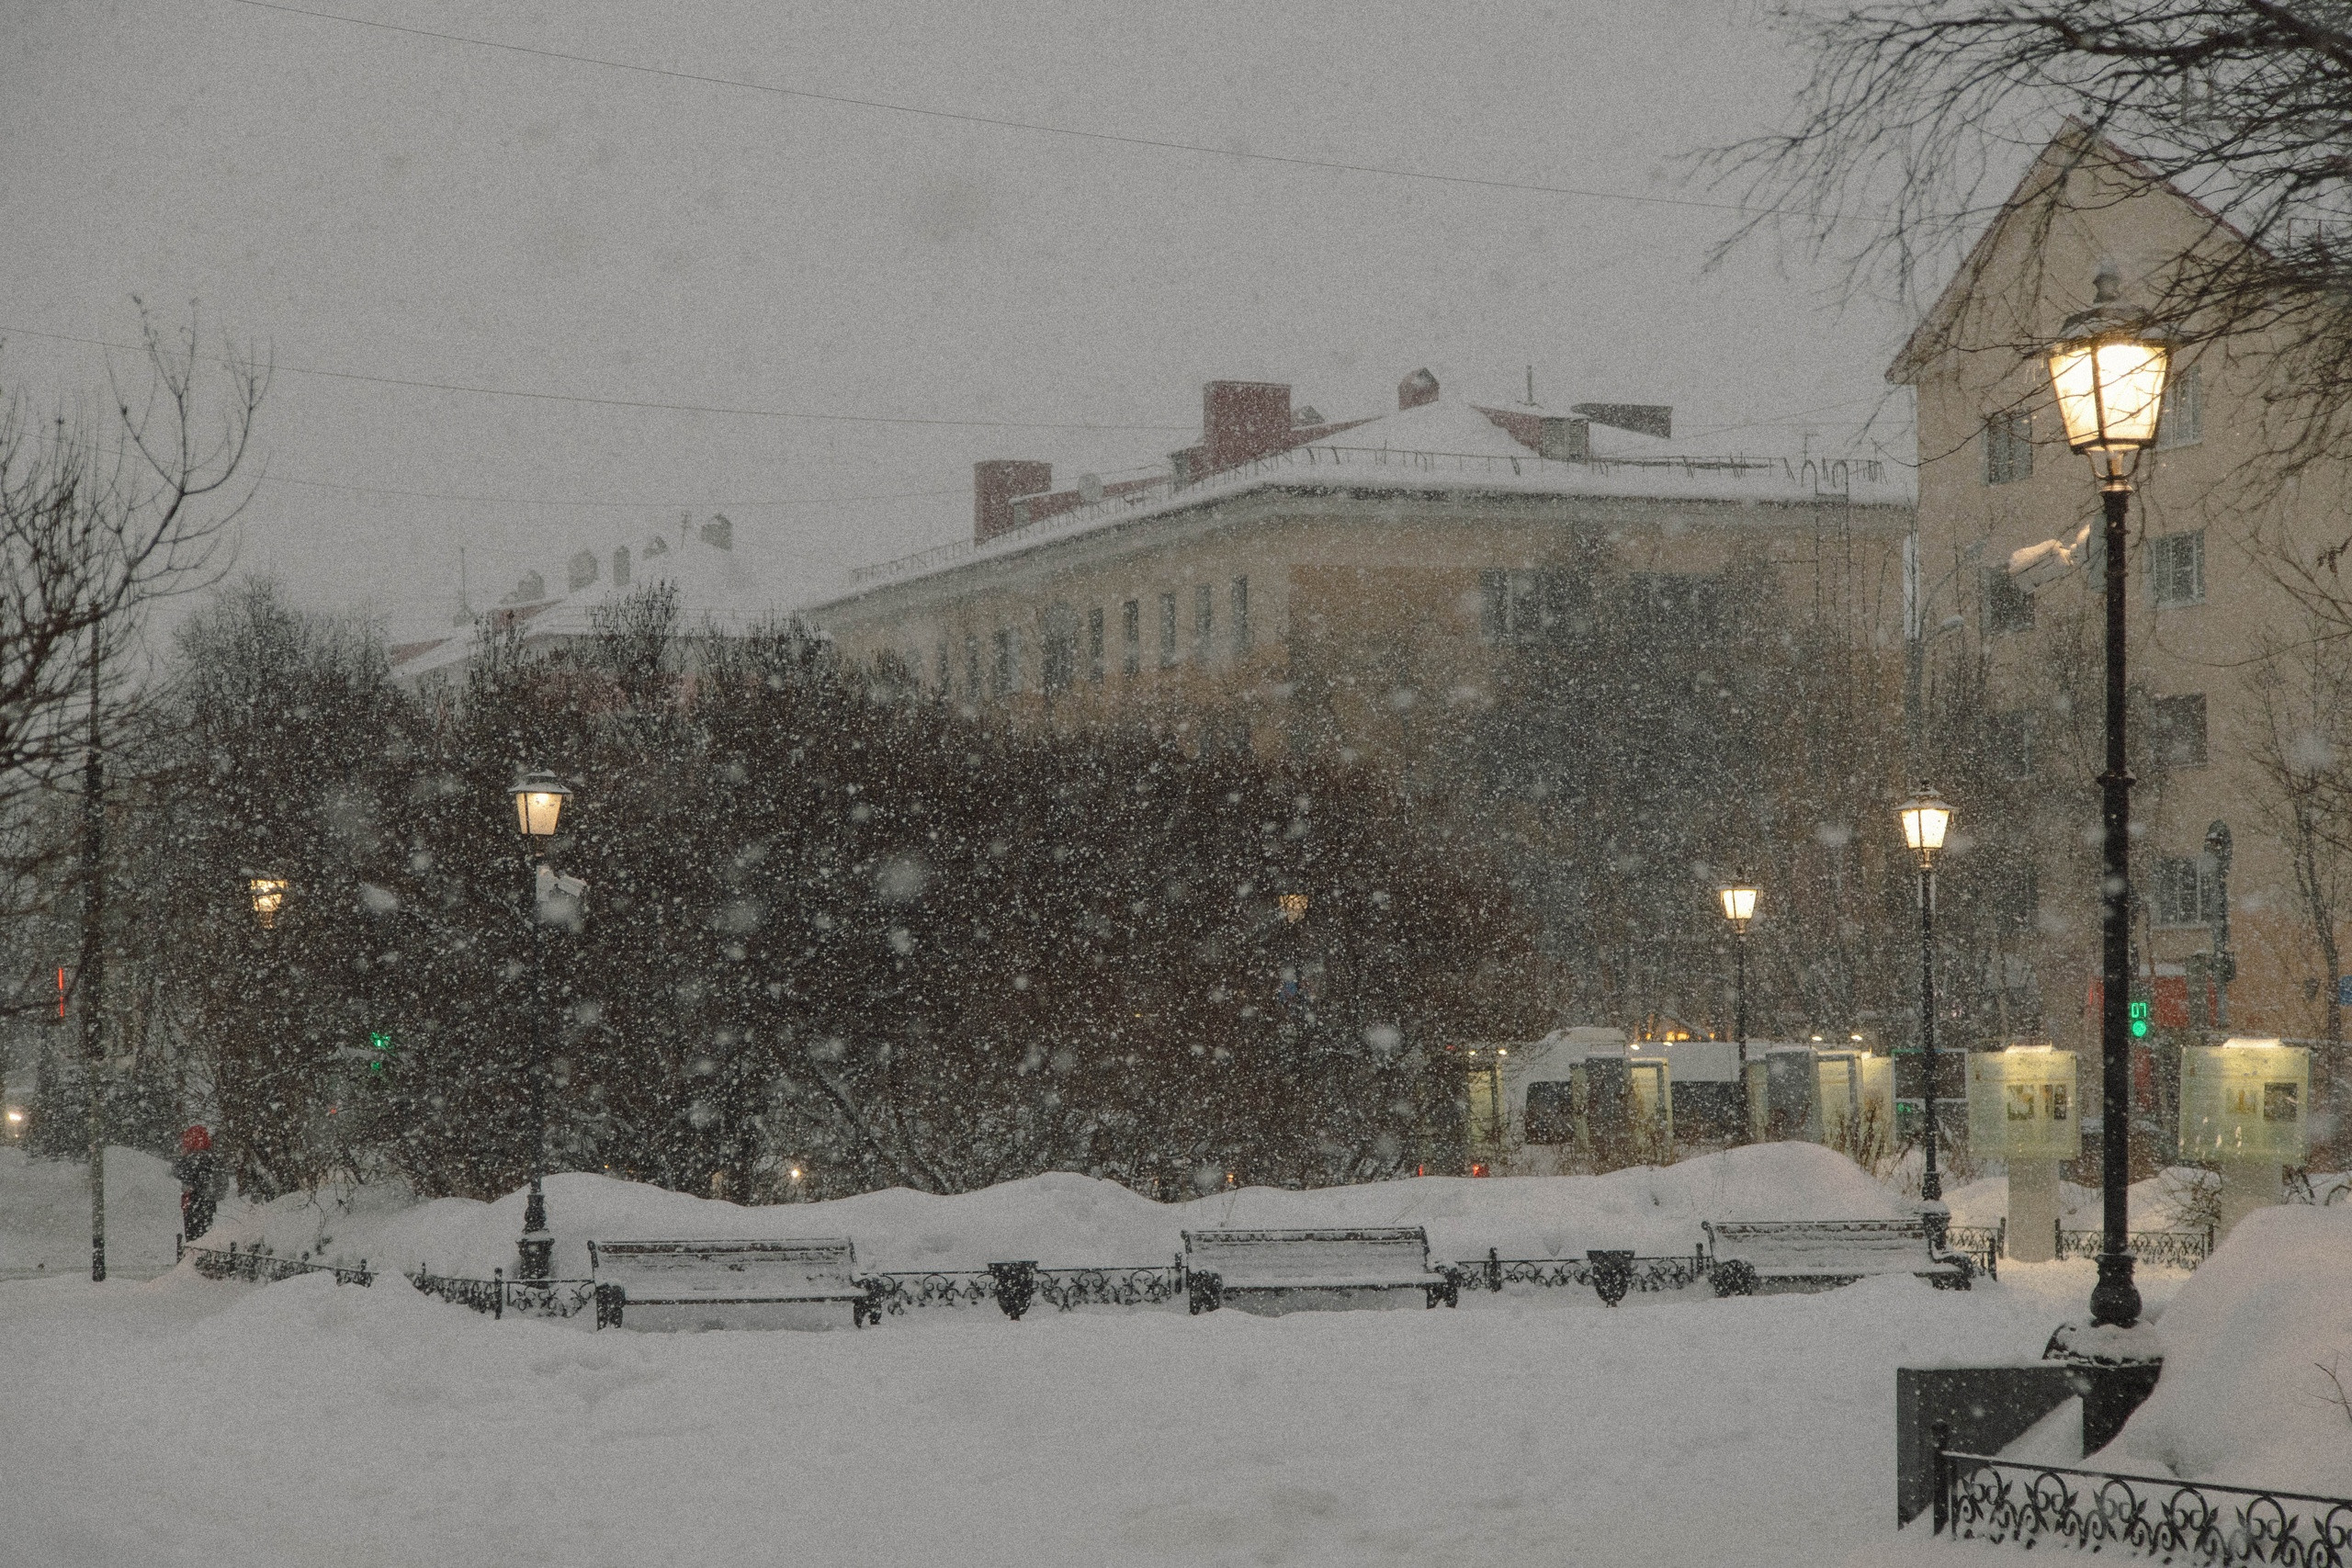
268, 895
1738, 899
2108, 370
539, 801
1925, 822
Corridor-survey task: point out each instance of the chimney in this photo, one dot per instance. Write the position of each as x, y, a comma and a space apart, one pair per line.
621, 567
1242, 420
1090, 489
994, 484
1414, 390
719, 533
580, 572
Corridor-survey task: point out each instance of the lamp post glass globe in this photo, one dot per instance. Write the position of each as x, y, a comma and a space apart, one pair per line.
1739, 902
2108, 370
538, 801
1925, 820
268, 895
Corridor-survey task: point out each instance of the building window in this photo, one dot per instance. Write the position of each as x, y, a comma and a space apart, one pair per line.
1167, 630
1008, 663
2008, 606
2009, 740
1240, 615
1517, 606
2182, 422
972, 668
1130, 638
2176, 731
1203, 621
2176, 567
1094, 643
1058, 663
2188, 891
1551, 1113
2008, 449
940, 668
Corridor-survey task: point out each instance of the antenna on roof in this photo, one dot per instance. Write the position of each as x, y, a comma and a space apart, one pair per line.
1530, 385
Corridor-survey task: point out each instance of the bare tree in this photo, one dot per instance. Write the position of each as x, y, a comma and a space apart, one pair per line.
1907, 139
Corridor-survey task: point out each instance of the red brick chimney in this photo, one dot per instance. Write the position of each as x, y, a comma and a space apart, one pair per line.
994, 484
1242, 420
1414, 390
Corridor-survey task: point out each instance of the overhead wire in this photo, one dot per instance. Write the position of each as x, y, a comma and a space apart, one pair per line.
1004, 122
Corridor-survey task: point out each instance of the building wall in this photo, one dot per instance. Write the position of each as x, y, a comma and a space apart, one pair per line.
2032, 274
1364, 613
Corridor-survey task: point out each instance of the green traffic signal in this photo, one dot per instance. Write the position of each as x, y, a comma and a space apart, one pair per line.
381, 1043
2139, 1020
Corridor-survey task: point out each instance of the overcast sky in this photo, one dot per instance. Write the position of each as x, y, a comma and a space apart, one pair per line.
353, 199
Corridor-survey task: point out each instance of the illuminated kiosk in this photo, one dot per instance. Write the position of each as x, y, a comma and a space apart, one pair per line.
1576, 1097
2024, 1106
1854, 1094
1784, 1093
2241, 1106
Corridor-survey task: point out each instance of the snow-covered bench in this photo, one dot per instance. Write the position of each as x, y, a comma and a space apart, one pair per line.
808, 1283
1271, 1271
1745, 1256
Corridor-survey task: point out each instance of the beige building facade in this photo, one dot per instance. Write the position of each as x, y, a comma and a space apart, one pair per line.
1336, 588
2223, 700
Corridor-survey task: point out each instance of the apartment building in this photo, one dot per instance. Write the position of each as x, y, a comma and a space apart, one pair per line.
2220, 694
1319, 586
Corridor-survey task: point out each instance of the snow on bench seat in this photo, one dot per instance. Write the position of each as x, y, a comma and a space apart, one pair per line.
1274, 1271
1751, 1256
733, 1283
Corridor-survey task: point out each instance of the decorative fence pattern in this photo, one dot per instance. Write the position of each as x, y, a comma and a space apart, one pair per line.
1011, 1286
1984, 1245
1983, 1499
2158, 1249
260, 1266
499, 1295
1494, 1272
1069, 1288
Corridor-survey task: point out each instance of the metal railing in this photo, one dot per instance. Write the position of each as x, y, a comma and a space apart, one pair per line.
1012, 1286
1494, 1272
1980, 1497
2158, 1249
498, 1295
261, 1266
1984, 1246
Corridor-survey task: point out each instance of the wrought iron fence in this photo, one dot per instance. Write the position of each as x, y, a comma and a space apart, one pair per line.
900, 1294
1983, 1245
2158, 1249
261, 1266
1494, 1272
499, 1295
1068, 1288
1980, 1497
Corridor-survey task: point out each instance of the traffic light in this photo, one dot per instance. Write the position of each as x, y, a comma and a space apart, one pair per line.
2141, 1008
381, 1043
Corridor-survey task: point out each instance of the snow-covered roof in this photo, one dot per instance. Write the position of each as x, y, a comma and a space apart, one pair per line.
716, 585
1448, 445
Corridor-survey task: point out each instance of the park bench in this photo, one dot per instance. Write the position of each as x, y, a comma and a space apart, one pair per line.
1750, 1256
808, 1283
1274, 1271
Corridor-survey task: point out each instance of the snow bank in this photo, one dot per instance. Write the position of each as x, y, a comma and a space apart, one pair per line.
1063, 1220
2245, 1396
45, 1213
2152, 1202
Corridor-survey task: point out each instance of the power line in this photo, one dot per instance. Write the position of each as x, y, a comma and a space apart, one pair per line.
614, 505
631, 402
1002, 123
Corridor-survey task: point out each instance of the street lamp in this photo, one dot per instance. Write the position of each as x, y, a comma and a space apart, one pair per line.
1925, 820
1739, 897
2107, 370
269, 893
538, 801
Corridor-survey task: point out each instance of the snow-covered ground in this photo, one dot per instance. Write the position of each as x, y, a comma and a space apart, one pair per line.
45, 1215
183, 1421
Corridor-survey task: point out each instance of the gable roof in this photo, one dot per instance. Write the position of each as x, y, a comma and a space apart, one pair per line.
2075, 146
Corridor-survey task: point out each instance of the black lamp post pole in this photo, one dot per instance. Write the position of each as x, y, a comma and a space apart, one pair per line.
538, 1243
1932, 1180
2115, 1299
1739, 988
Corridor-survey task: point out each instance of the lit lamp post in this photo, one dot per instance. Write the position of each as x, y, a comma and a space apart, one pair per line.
1739, 908
269, 893
2108, 370
538, 801
1925, 820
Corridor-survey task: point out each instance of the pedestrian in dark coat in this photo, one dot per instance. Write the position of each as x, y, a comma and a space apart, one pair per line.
201, 1180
